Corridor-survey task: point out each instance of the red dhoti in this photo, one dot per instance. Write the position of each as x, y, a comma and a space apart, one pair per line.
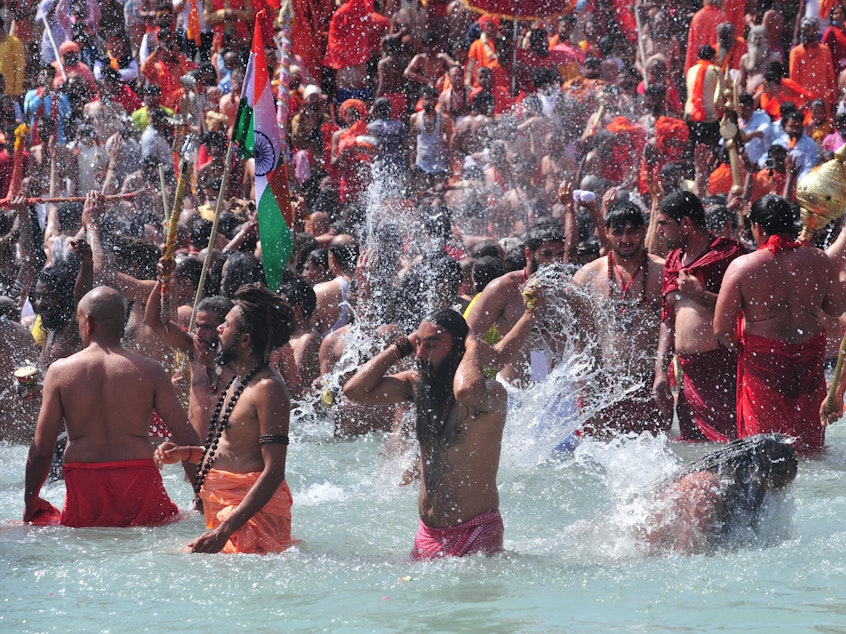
482, 533
707, 403
126, 493
637, 412
780, 388
268, 531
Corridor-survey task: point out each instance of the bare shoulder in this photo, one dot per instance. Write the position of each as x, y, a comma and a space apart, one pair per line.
589, 271
655, 262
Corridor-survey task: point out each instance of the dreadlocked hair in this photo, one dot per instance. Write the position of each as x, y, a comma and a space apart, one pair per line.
266, 317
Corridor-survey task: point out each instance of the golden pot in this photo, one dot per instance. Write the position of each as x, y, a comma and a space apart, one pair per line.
822, 194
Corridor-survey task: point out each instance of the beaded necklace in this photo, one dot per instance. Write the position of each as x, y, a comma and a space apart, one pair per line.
626, 317
218, 423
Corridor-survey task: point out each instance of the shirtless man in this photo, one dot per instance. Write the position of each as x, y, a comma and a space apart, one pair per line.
693, 274
459, 422
625, 291
18, 406
497, 309
105, 395
305, 339
429, 67
473, 131
721, 499
333, 310
241, 480
781, 290
206, 377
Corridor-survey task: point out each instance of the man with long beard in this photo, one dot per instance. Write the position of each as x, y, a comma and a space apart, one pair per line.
460, 419
241, 476
624, 312
497, 309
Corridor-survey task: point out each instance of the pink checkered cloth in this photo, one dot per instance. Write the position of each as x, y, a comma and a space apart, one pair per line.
482, 533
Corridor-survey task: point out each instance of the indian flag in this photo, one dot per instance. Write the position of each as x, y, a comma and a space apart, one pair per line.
258, 136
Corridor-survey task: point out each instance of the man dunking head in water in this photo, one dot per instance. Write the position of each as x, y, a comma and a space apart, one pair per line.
241, 478
105, 395
623, 313
460, 418
722, 499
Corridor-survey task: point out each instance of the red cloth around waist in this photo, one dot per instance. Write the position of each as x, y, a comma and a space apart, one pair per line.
482, 533
124, 493
707, 403
780, 388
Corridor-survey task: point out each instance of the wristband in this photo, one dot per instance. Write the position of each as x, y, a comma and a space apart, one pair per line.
404, 347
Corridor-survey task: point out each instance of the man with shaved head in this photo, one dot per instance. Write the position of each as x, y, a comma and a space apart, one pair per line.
105, 396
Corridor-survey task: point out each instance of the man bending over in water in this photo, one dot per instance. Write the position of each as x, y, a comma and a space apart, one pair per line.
721, 498
105, 395
460, 418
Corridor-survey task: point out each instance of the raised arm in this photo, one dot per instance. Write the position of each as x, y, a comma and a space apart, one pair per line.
370, 386
470, 385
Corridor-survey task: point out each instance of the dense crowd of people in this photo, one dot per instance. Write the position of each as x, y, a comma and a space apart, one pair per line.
484, 196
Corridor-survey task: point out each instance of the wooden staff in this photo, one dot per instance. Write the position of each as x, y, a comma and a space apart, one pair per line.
173, 221
838, 369
221, 196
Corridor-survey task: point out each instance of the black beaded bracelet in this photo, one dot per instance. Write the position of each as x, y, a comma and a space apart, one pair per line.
273, 439
404, 347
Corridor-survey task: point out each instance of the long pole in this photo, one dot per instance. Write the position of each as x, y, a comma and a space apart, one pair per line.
221, 195
838, 369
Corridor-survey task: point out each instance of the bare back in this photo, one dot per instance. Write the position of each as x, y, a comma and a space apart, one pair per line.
106, 396
782, 295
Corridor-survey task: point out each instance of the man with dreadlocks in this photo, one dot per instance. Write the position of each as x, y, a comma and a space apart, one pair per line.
460, 418
241, 476
722, 499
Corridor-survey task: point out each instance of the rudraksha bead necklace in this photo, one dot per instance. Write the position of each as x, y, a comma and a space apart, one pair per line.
218, 423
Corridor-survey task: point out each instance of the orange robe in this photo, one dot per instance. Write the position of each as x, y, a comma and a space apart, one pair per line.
268, 531
703, 31
813, 69
483, 53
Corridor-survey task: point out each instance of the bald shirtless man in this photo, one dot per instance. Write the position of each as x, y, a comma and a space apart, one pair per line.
105, 396
460, 419
781, 290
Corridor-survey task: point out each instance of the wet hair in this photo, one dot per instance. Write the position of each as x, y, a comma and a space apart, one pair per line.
200, 231
482, 102
429, 38
345, 254
746, 99
707, 52
486, 248
266, 317
319, 257
773, 214
381, 108
189, 269
681, 203
69, 216
485, 270
451, 321
218, 305
59, 280
746, 468
298, 292
543, 231
241, 268
137, 257
624, 213
429, 91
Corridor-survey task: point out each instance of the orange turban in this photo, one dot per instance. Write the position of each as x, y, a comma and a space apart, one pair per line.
356, 104
667, 129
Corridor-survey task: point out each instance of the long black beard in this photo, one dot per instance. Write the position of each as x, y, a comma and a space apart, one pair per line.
434, 398
223, 356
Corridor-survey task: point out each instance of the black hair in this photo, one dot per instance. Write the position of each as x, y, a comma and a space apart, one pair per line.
266, 317
241, 268
451, 321
773, 214
345, 254
298, 292
486, 248
681, 203
485, 270
218, 305
624, 213
543, 231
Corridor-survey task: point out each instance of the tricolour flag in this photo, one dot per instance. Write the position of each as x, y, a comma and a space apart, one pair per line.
258, 136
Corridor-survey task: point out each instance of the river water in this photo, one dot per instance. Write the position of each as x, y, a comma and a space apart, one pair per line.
572, 564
